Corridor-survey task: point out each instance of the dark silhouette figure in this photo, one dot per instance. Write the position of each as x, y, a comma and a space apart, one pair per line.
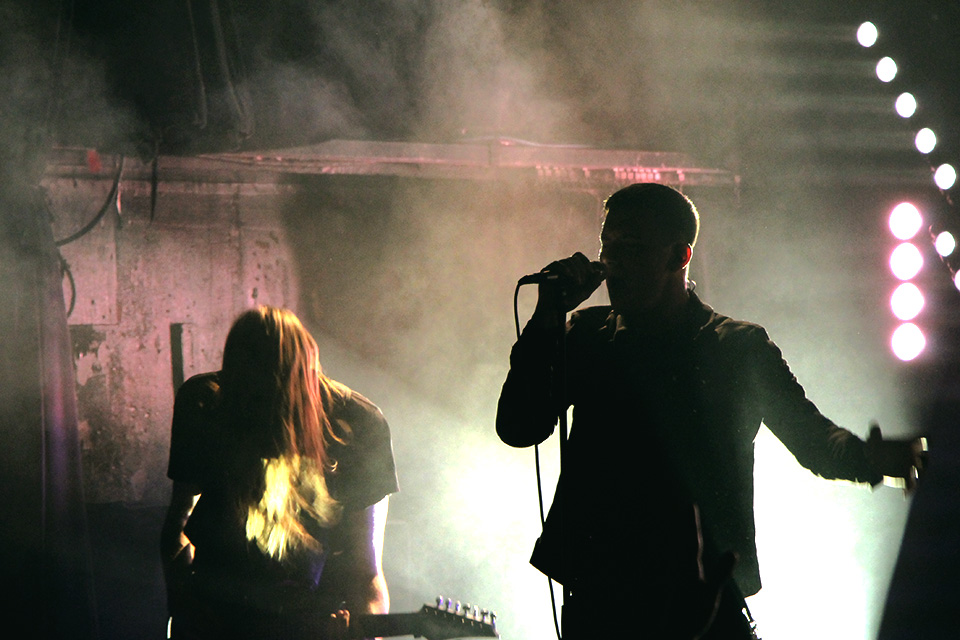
667, 396
281, 477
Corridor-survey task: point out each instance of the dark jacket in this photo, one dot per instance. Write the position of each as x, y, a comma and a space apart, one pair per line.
657, 423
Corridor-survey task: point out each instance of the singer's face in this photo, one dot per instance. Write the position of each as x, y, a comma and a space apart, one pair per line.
636, 256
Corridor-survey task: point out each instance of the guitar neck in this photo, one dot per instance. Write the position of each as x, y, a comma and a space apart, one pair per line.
384, 625
433, 623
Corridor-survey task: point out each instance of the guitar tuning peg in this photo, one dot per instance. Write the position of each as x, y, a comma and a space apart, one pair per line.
475, 613
439, 602
458, 608
483, 615
449, 606
467, 610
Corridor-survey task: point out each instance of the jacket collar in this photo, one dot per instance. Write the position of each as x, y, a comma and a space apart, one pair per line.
697, 317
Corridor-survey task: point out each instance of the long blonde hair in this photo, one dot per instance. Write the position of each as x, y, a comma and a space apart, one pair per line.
276, 399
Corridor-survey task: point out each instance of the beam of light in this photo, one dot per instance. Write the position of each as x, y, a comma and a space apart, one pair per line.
945, 176
906, 261
945, 243
905, 221
867, 34
908, 341
906, 105
907, 301
926, 140
797, 510
886, 69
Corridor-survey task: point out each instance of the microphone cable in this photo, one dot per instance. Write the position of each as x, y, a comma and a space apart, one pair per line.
538, 471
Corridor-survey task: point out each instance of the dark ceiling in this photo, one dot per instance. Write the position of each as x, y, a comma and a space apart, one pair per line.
743, 85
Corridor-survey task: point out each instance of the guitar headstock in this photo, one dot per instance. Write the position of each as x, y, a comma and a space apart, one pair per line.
449, 619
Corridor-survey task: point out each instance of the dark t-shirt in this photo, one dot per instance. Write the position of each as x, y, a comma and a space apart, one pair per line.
206, 453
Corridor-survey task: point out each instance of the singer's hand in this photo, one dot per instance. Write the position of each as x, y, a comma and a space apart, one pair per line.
899, 459
577, 279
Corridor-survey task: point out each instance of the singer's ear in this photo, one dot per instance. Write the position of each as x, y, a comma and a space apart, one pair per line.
681, 256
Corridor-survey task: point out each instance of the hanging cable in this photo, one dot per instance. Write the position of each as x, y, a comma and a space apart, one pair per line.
111, 200
66, 272
244, 121
61, 49
240, 72
200, 114
539, 474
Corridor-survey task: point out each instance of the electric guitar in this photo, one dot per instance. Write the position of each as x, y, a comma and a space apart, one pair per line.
446, 620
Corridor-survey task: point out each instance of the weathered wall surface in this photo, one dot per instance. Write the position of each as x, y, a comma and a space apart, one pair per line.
155, 291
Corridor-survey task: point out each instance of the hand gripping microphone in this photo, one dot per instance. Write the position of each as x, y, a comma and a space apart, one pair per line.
542, 277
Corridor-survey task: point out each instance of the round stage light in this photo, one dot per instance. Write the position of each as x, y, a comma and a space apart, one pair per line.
886, 69
956, 280
906, 261
906, 105
945, 176
926, 140
867, 34
907, 301
908, 341
945, 243
905, 221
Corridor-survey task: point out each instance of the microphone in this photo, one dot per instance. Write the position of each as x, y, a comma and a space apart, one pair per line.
538, 278
543, 277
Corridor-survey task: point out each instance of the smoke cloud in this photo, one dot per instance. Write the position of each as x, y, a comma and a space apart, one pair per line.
410, 283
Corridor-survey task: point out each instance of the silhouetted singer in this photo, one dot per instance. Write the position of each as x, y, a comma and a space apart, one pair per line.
667, 398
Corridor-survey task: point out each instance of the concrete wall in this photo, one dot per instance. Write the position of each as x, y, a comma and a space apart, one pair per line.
156, 290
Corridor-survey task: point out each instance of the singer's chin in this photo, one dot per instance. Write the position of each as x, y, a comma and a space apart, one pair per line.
615, 292
623, 299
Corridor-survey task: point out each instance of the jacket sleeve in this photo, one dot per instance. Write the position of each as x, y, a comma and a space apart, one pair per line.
816, 442
527, 410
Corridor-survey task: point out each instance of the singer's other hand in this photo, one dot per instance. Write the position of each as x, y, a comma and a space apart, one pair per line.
577, 279
902, 461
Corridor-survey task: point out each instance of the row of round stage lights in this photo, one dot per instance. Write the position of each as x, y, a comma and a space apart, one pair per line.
906, 221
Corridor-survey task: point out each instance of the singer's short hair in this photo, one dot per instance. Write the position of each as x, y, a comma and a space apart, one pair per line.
674, 212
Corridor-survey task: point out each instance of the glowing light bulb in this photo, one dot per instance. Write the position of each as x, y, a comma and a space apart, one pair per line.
906, 105
905, 221
945, 243
945, 176
926, 140
886, 69
908, 341
907, 301
906, 261
867, 34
